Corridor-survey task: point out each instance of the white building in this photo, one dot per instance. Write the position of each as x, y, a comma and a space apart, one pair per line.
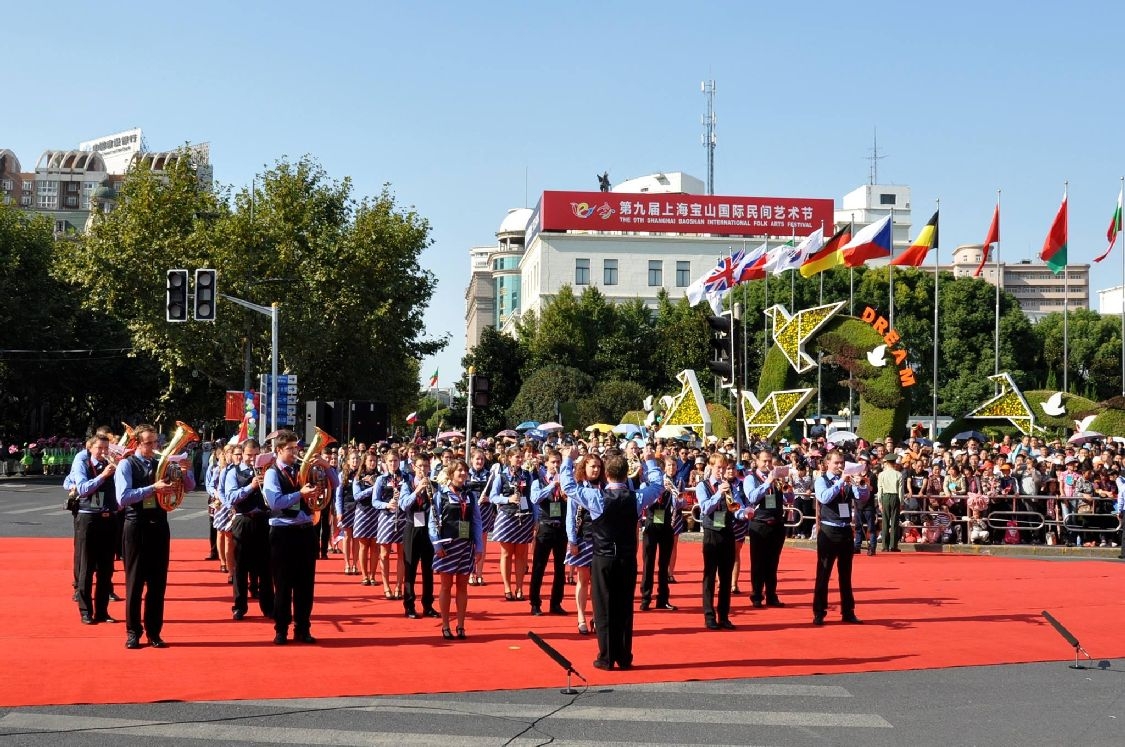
1111, 300
873, 202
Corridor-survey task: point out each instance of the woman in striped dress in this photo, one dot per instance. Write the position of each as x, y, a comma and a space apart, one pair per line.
511, 493
392, 525
479, 474
345, 510
366, 516
741, 527
580, 537
455, 532
222, 515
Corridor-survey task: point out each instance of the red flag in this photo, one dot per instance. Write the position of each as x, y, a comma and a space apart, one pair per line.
992, 238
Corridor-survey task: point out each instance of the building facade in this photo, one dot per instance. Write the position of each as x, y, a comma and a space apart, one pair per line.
1038, 290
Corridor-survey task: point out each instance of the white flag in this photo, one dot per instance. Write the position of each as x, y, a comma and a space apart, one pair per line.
796, 255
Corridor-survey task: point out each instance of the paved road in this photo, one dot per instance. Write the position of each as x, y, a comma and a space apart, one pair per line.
34, 508
1016, 705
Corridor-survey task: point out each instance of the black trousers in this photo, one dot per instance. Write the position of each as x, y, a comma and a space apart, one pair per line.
93, 538
614, 582
417, 551
145, 546
718, 558
865, 524
550, 541
293, 559
766, 541
74, 583
834, 546
324, 528
252, 564
657, 542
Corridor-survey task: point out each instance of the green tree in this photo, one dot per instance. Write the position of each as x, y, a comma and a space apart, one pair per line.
609, 400
547, 390
681, 341
1093, 351
500, 358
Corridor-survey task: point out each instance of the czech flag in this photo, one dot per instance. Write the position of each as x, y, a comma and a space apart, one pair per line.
870, 242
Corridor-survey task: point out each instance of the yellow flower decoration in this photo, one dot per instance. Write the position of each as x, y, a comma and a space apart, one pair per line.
1008, 405
689, 408
792, 332
765, 420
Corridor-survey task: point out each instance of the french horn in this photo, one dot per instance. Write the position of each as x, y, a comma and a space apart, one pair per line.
172, 472
312, 474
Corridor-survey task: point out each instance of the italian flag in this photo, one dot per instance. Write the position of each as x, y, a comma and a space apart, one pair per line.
433, 379
1114, 228
1054, 248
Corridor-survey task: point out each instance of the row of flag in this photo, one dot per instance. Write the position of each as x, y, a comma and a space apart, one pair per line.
814, 254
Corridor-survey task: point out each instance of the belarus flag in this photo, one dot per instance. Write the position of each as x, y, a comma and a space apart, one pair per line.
1054, 247
870, 242
433, 379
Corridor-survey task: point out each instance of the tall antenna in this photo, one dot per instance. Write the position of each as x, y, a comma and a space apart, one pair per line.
709, 138
874, 158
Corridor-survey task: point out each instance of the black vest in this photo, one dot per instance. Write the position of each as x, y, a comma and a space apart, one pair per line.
831, 511
255, 501
102, 499
766, 515
451, 515
584, 525
708, 520
421, 503
347, 492
518, 484
143, 476
545, 517
615, 531
664, 503
289, 485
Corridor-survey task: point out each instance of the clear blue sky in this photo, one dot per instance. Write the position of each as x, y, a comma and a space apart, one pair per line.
468, 109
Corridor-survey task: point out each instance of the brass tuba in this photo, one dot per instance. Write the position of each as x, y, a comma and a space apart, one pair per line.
168, 470
311, 474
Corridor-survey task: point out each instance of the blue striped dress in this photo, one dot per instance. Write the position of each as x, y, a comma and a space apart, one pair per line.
578, 536
392, 524
366, 516
458, 553
512, 526
487, 509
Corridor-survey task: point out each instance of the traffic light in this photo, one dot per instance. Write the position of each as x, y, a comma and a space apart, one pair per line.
176, 296
205, 295
723, 330
481, 391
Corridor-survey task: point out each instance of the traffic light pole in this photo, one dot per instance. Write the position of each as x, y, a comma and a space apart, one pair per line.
469, 413
272, 312
735, 316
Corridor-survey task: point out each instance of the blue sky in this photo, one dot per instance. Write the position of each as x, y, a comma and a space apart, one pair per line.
468, 109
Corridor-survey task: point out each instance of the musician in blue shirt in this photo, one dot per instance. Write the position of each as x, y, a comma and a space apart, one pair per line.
836, 494
95, 529
250, 530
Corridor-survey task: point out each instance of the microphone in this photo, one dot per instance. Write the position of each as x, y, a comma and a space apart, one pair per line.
561, 660
1058, 626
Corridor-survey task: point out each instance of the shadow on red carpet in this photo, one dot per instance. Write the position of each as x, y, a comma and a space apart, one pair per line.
920, 611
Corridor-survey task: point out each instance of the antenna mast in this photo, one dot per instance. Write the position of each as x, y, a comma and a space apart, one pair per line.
874, 158
709, 138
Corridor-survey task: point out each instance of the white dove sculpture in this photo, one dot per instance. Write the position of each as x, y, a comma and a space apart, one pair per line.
1054, 406
878, 356
1083, 425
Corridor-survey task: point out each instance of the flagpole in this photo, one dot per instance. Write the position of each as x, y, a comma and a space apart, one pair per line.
891, 270
937, 306
851, 297
996, 336
1066, 291
1117, 221
746, 348
766, 325
822, 297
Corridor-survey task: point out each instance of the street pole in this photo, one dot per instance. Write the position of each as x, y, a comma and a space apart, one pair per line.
468, 411
272, 312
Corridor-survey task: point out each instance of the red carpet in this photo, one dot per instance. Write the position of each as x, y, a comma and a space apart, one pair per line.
922, 611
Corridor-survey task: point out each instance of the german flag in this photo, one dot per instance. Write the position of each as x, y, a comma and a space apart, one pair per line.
828, 256
927, 240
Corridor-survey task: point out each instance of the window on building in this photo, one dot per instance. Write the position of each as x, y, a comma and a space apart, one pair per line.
887, 199
25, 201
609, 271
581, 272
655, 273
683, 274
6, 184
27, 186
47, 201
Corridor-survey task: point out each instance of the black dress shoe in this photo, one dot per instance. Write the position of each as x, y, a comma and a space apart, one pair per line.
726, 625
75, 596
411, 614
536, 611
757, 603
712, 625
645, 606
603, 664
157, 642
558, 611
667, 607
818, 620
104, 619
622, 665
280, 639
774, 603
431, 612
113, 597
852, 620
132, 642
304, 638
212, 556
239, 614
87, 620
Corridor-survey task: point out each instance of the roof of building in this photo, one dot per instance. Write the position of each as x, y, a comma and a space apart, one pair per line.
515, 221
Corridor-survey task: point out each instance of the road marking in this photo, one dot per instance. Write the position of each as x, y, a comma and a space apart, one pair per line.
181, 515
40, 507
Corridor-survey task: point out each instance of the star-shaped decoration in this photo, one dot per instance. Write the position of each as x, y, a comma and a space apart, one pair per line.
1008, 405
689, 407
764, 420
792, 332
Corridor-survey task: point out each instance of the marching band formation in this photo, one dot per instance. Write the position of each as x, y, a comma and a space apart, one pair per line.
395, 511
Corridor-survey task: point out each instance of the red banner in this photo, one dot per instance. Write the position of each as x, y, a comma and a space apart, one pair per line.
680, 213
236, 404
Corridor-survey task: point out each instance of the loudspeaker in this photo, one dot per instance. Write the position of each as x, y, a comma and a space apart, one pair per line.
367, 422
329, 416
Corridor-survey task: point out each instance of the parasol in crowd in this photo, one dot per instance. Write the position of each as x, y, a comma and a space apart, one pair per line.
449, 435
600, 427
550, 426
527, 425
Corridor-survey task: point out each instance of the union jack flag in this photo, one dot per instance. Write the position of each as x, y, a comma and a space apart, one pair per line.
725, 274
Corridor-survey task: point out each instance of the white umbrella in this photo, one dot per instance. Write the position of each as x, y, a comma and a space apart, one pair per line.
551, 426
1085, 437
671, 431
841, 437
